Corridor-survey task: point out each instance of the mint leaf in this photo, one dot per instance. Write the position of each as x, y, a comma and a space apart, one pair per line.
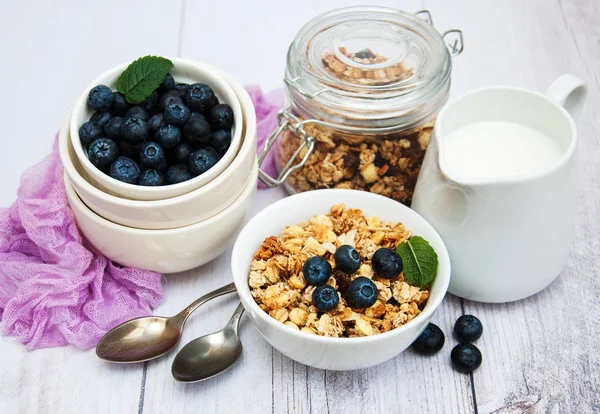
420, 261
142, 77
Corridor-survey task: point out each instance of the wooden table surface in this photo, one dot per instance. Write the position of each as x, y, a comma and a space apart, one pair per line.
540, 354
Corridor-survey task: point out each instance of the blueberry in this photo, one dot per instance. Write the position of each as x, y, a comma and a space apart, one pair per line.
150, 102
316, 270
102, 152
130, 150
112, 129
125, 169
134, 130
386, 263
101, 118
169, 97
430, 341
325, 298
347, 259
220, 117
220, 140
168, 82
362, 292
151, 178
468, 328
156, 122
202, 161
466, 357
162, 167
181, 153
89, 132
169, 136
138, 112
100, 98
176, 114
200, 97
196, 115
120, 105
178, 173
151, 155
197, 132
182, 87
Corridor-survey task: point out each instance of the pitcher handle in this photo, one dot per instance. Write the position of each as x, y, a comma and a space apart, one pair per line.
569, 92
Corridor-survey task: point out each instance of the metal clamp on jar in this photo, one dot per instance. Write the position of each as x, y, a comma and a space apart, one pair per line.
365, 85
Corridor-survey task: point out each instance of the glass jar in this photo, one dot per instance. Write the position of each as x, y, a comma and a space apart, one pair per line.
365, 85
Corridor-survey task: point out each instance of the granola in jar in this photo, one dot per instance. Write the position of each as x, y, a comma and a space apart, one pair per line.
280, 288
364, 85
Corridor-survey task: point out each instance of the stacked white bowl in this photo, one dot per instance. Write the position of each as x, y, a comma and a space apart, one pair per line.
174, 227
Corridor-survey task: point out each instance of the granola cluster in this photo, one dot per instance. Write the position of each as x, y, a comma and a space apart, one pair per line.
388, 165
278, 286
363, 74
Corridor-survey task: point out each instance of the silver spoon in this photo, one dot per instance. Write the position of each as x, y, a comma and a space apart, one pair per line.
150, 337
209, 355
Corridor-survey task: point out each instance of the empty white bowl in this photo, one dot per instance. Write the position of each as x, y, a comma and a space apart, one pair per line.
319, 351
195, 206
164, 251
184, 70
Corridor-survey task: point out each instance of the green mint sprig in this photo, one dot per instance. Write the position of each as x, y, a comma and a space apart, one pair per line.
142, 77
420, 261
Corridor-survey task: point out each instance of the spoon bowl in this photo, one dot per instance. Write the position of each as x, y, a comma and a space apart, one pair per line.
210, 355
143, 339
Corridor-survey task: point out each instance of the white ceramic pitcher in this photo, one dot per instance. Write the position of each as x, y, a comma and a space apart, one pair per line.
508, 238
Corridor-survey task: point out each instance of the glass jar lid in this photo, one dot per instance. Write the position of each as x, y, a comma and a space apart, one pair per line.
368, 67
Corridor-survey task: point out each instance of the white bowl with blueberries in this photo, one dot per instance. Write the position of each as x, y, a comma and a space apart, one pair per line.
156, 128
180, 232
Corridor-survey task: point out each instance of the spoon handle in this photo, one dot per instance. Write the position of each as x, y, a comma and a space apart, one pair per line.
235, 318
184, 314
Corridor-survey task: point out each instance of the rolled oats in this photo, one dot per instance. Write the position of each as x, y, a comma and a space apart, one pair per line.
278, 286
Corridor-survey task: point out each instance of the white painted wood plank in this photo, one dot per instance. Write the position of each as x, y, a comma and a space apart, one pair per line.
540, 353
49, 52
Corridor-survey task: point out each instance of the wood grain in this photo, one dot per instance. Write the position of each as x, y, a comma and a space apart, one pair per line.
539, 354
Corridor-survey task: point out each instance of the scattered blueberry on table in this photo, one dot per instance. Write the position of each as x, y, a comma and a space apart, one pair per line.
466, 357
430, 341
164, 135
468, 328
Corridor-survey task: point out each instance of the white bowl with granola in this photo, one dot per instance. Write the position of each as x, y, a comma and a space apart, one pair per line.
267, 264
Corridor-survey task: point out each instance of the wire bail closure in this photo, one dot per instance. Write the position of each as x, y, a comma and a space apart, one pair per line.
292, 123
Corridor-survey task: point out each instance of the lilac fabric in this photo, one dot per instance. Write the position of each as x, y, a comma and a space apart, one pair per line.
55, 288
266, 107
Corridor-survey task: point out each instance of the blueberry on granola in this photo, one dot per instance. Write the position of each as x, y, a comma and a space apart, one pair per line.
466, 358
316, 270
362, 292
347, 259
430, 341
325, 298
468, 328
387, 263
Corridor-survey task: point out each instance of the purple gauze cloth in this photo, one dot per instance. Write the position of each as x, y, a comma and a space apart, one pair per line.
57, 289
266, 107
